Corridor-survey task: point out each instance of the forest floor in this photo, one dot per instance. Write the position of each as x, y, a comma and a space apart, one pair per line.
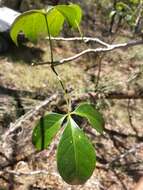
121, 70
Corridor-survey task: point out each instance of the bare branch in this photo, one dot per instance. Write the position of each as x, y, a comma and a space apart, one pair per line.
19, 173
130, 151
121, 156
30, 115
110, 95
96, 50
81, 39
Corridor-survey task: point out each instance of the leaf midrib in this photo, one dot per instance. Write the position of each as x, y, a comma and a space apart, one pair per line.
74, 145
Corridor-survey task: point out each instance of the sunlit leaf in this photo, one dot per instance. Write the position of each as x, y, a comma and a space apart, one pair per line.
72, 14
35, 23
31, 23
76, 156
94, 117
55, 21
46, 129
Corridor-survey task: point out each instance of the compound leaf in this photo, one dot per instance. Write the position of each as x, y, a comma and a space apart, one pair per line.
76, 156
92, 115
35, 23
45, 130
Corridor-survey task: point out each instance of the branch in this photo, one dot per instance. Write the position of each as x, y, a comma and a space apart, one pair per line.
96, 50
80, 39
131, 150
30, 173
30, 115
110, 95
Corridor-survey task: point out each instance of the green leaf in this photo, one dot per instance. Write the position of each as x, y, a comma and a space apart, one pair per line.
55, 21
31, 23
94, 117
72, 14
45, 130
35, 23
76, 157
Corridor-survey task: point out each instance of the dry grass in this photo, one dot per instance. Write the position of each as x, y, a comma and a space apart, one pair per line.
33, 78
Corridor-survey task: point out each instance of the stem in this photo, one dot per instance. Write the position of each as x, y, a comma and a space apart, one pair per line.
67, 98
79, 29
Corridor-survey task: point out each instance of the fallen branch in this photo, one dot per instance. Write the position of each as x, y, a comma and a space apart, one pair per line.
126, 153
29, 116
30, 173
110, 95
110, 165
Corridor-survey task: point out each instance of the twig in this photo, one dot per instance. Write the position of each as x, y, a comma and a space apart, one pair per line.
24, 158
99, 72
120, 180
131, 150
110, 95
19, 173
29, 116
110, 165
130, 116
81, 39
96, 50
